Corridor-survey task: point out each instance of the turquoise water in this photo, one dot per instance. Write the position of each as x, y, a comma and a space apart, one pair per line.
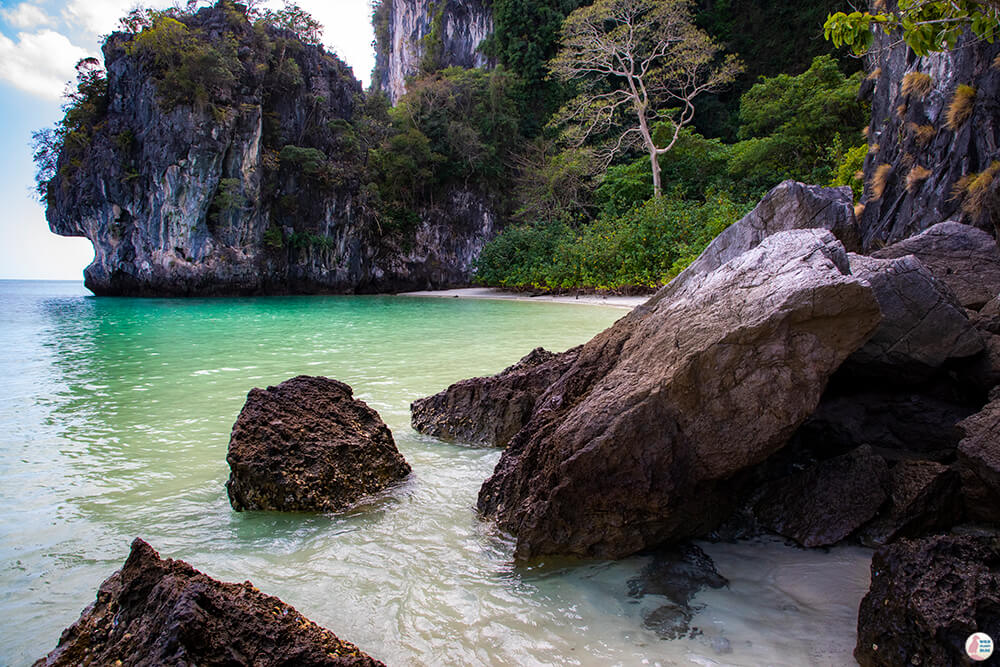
116, 423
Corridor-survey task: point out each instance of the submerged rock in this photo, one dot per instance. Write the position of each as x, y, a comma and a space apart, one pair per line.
633, 445
309, 445
490, 410
165, 612
677, 574
926, 597
963, 257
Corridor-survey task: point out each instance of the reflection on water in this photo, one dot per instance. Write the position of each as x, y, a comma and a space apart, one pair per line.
116, 426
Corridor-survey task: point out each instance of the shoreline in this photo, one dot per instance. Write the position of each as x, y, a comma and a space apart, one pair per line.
495, 293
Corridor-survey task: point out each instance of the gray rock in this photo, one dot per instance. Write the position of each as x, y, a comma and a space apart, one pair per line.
490, 410
827, 503
988, 317
950, 155
632, 445
963, 257
923, 326
789, 205
307, 445
979, 461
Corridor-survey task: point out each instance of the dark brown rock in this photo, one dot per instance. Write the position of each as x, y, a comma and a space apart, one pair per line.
629, 448
155, 612
308, 445
826, 503
988, 317
924, 497
926, 597
490, 410
979, 461
963, 257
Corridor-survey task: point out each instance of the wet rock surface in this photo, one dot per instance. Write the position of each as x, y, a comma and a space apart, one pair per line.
927, 596
677, 574
490, 410
632, 445
308, 445
164, 612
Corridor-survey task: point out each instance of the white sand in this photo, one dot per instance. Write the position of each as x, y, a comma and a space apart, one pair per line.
494, 293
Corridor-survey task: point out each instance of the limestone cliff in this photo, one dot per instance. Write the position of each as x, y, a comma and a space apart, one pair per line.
931, 158
246, 177
427, 34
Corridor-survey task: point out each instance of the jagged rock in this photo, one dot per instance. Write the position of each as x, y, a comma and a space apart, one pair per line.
923, 326
924, 497
825, 504
979, 458
307, 445
490, 410
963, 257
983, 370
892, 418
789, 205
629, 448
677, 574
988, 317
926, 597
260, 191
402, 28
898, 139
156, 612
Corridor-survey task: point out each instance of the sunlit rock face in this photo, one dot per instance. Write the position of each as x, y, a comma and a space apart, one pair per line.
406, 30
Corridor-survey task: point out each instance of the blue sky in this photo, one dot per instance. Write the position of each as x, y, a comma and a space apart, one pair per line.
40, 42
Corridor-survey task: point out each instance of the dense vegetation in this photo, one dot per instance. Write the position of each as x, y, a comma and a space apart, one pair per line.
573, 219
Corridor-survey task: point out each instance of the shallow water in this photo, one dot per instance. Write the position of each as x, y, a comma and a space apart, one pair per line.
116, 422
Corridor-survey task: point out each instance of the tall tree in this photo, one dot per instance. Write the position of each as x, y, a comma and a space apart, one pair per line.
637, 63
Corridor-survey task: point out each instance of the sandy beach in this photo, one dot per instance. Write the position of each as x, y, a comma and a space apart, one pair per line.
495, 293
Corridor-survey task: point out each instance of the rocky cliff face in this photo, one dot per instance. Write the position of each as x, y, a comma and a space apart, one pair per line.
256, 189
432, 34
931, 158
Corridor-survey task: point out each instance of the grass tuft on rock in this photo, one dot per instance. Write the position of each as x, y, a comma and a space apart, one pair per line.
961, 105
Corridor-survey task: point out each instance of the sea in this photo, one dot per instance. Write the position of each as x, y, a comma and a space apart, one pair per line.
114, 424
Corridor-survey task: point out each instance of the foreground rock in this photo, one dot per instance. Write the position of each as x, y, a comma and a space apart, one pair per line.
979, 460
165, 612
963, 257
927, 596
308, 445
490, 410
632, 446
923, 324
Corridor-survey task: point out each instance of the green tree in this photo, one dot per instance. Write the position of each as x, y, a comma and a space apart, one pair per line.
637, 62
923, 25
297, 21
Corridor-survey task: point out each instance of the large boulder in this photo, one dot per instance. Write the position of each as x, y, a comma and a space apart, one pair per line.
826, 503
631, 447
924, 496
308, 445
979, 461
926, 597
490, 410
923, 325
963, 257
156, 612
789, 205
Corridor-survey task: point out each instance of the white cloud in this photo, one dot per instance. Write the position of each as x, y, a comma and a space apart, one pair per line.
25, 15
100, 17
40, 63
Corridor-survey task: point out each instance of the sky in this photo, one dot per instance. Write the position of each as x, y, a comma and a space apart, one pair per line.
40, 43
